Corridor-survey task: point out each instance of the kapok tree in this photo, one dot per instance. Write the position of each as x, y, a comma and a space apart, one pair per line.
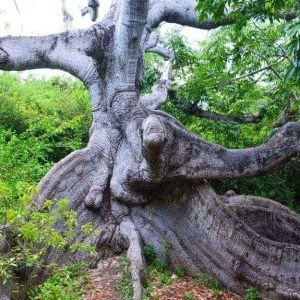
142, 177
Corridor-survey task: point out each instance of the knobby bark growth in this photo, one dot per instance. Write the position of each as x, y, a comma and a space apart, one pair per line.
142, 177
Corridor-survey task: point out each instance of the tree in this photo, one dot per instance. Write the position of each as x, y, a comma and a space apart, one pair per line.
142, 177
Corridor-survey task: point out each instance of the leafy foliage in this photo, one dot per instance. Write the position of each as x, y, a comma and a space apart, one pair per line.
125, 286
149, 254
293, 33
241, 73
65, 284
240, 13
211, 282
40, 123
188, 295
252, 294
33, 232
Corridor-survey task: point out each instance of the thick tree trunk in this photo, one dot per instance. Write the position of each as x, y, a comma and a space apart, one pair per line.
142, 175
241, 240
120, 183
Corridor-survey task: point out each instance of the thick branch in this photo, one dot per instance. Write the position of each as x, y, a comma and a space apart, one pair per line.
183, 13
194, 158
152, 40
198, 112
162, 51
180, 12
66, 51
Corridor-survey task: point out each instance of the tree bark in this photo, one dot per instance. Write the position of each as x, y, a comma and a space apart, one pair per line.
142, 176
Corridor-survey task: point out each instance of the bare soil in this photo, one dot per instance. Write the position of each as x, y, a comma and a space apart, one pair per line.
103, 281
105, 278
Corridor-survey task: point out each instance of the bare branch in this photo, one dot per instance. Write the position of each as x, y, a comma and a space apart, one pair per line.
268, 67
194, 110
180, 12
162, 51
159, 92
158, 96
67, 17
152, 40
92, 9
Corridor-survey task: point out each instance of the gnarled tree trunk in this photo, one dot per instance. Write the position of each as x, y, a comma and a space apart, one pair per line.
142, 176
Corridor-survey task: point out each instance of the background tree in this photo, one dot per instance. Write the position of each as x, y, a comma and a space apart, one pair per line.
143, 175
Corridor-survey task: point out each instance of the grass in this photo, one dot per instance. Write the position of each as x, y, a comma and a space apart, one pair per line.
188, 295
125, 286
212, 283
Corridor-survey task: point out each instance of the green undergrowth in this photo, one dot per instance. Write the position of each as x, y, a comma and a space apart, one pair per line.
159, 274
210, 282
125, 286
252, 294
33, 233
65, 284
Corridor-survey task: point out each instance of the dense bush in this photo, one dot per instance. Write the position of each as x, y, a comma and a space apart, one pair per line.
40, 123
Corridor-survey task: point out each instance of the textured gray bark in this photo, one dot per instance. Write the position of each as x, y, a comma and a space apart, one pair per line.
142, 175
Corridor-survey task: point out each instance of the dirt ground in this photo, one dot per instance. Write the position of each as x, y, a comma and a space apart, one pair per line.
105, 278
103, 281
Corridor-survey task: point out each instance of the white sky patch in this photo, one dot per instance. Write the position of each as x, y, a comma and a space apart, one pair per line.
40, 17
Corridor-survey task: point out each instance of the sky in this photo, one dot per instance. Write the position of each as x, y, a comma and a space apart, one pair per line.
39, 17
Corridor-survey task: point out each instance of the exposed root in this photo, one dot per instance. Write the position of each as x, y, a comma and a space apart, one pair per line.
212, 236
288, 294
135, 256
259, 202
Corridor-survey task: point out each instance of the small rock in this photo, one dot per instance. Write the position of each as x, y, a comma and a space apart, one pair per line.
174, 277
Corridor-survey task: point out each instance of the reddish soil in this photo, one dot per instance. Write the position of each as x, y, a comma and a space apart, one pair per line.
187, 289
103, 281
105, 278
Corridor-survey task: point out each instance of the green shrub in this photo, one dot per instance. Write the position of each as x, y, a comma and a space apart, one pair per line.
188, 295
65, 284
149, 254
167, 248
252, 294
180, 272
33, 232
211, 282
160, 265
40, 123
